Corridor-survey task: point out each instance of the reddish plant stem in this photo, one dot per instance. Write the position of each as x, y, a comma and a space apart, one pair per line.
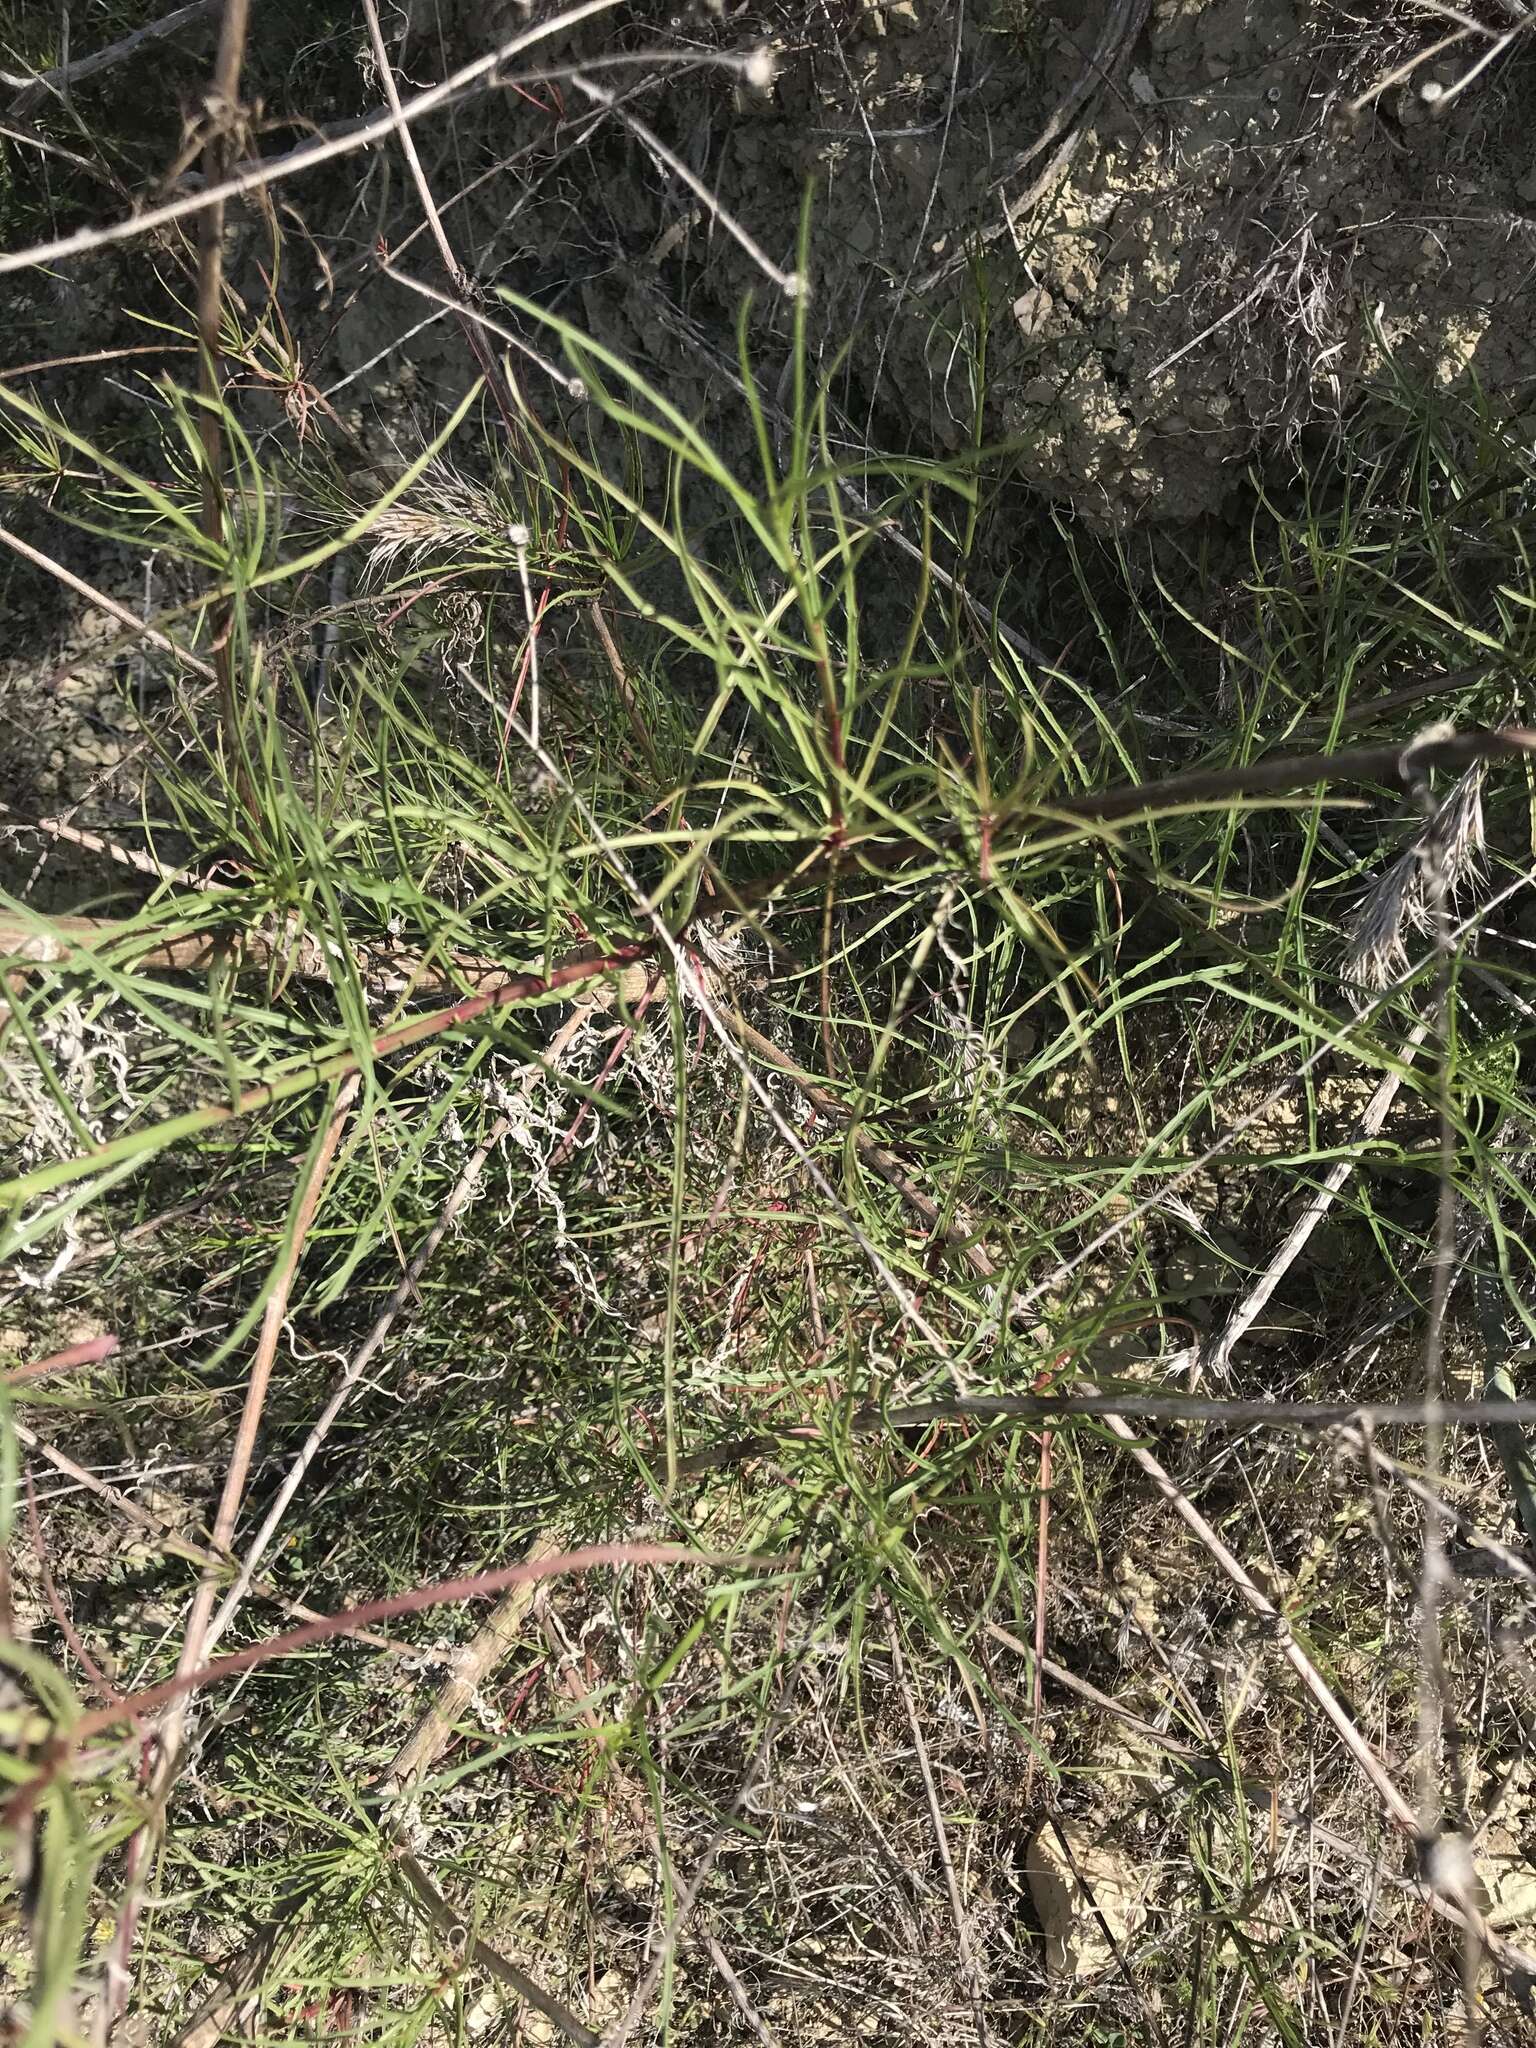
621, 1045
349, 1620
90, 1352
256, 1388
517, 988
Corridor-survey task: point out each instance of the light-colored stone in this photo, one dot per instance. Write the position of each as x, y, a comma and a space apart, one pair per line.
1075, 1941
1509, 1879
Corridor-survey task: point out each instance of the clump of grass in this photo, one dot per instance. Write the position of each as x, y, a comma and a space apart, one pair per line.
512, 1142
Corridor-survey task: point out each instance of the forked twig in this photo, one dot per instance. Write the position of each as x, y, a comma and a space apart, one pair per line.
573, 387
1213, 1767
1360, 1443
495, 378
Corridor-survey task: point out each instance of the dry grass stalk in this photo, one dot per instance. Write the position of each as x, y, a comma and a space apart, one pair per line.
138, 627
1214, 1357
970, 1970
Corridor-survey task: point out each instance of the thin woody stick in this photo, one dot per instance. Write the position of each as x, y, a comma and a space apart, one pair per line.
1214, 1357
174, 1544
196, 1642
100, 599
63, 76
970, 1975
306, 157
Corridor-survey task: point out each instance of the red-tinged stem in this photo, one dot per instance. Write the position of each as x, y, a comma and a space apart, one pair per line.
91, 1352
60, 1612
593, 1557
517, 988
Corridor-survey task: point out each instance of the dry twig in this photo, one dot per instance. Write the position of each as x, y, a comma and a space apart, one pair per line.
224, 118
99, 598
970, 1973
65, 76
476, 74
1214, 1356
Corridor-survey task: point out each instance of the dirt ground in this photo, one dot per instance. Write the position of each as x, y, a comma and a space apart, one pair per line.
1197, 226
1195, 229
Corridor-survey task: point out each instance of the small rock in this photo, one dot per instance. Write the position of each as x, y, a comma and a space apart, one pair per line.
1075, 1940
1031, 310
1509, 1880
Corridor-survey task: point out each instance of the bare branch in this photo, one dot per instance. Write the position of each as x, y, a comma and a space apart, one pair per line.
63, 76
478, 73
137, 626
